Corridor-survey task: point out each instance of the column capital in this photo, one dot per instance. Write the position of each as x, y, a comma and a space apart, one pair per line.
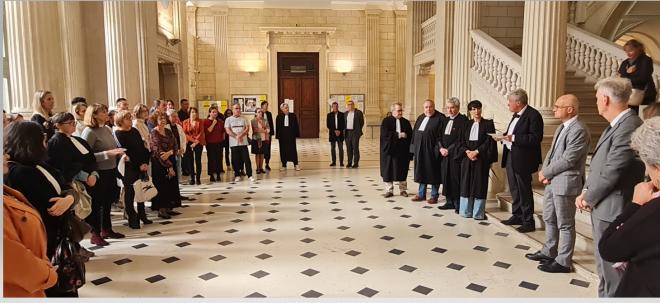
400, 14
373, 12
219, 11
191, 9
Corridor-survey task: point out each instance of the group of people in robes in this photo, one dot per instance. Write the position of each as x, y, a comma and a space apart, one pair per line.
449, 150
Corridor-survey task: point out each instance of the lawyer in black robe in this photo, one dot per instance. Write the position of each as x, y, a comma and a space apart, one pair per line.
287, 136
426, 149
395, 153
451, 165
474, 173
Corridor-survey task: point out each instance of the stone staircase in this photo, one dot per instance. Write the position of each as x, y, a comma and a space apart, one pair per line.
585, 92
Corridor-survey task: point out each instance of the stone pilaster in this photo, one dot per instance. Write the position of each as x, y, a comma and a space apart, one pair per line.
125, 71
444, 38
466, 18
221, 33
191, 33
74, 50
34, 53
544, 52
372, 110
401, 21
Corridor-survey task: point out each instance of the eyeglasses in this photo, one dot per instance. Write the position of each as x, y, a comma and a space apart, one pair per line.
558, 107
71, 122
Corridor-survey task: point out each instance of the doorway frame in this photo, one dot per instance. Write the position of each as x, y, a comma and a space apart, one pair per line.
299, 40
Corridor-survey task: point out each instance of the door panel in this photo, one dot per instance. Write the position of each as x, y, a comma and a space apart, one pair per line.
298, 79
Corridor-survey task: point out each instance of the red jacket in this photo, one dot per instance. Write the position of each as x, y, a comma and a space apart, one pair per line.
217, 135
194, 133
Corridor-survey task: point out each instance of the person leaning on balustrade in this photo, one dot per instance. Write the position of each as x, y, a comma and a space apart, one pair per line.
639, 69
633, 236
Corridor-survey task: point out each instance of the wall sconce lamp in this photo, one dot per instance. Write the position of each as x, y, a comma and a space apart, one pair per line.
344, 66
251, 67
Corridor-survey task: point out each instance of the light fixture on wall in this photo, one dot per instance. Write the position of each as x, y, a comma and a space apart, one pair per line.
344, 66
251, 66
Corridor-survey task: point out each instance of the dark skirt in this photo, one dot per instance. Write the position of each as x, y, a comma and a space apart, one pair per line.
256, 149
168, 195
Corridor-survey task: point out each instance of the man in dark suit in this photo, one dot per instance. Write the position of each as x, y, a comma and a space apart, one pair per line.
336, 126
521, 158
563, 176
615, 169
450, 169
354, 123
266, 145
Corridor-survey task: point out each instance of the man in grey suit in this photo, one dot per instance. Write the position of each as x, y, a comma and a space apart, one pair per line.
563, 175
615, 169
354, 123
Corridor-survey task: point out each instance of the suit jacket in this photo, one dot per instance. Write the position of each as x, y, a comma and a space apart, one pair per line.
330, 122
635, 242
269, 117
526, 148
615, 170
358, 121
565, 169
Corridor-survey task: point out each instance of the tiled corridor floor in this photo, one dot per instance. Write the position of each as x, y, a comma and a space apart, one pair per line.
320, 232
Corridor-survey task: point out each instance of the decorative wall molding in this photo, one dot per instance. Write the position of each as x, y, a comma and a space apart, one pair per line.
298, 35
169, 53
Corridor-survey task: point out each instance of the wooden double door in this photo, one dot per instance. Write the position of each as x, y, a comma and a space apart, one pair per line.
298, 80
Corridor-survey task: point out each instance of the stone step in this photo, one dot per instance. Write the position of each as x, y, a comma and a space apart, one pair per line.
583, 258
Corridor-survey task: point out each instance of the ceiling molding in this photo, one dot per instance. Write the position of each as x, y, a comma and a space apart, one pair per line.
306, 4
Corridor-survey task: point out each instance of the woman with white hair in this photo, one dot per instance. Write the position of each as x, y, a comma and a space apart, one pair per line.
633, 237
287, 132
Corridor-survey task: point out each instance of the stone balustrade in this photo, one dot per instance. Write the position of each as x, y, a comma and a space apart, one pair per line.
428, 33
595, 56
495, 63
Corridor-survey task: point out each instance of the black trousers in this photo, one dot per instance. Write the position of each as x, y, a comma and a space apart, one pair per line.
520, 186
214, 155
352, 147
131, 174
197, 154
240, 157
225, 146
266, 149
103, 193
333, 152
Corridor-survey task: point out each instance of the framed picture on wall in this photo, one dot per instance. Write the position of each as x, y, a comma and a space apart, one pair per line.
342, 100
249, 103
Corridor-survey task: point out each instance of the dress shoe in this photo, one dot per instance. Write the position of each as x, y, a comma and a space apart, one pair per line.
525, 228
267, 167
162, 213
110, 234
192, 182
388, 194
538, 256
184, 198
512, 221
446, 206
417, 198
212, 178
349, 165
404, 193
432, 201
333, 164
341, 164
356, 166
173, 212
98, 240
199, 182
553, 267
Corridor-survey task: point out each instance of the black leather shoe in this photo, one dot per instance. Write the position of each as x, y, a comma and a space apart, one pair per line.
526, 228
446, 206
512, 221
388, 194
356, 166
553, 267
333, 164
349, 165
538, 256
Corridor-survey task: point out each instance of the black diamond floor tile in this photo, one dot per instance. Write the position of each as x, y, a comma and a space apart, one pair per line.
347, 239
439, 250
208, 276
100, 281
182, 244
476, 287
522, 247
266, 242
580, 283
255, 295
312, 294
528, 285
170, 260
353, 253
308, 255
141, 245
368, 292
408, 268
455, 266
225, 243
218, 258
263, 256
259, 274
481, 248
123, 261
359, 270
425, 236
502, 264
387, 238
422, 290
154, 279
309, 272
396, 251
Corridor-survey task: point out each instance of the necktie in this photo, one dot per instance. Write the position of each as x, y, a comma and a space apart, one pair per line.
554, 144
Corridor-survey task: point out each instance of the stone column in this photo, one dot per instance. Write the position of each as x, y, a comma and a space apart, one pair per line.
221, 33
125, 70
74, 51
544, 52
191, 16
372, 110
466, 18
444, 38
409, 101
35, 55
400, 54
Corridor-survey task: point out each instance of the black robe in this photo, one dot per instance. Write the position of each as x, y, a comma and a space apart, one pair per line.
425, 146
451, 166
65, 157
394, 151
474, 174
287, 136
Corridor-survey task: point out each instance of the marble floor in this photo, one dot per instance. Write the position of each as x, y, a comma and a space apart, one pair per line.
320, 232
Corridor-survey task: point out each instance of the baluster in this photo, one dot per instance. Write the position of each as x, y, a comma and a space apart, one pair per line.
570, 53
614, 66
604, 68
490, 68
592, 60
509, 74
581, 56
596, 66
501, 75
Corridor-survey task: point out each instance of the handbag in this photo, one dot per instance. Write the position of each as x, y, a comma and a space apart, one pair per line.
636, 97
79, 228
144, 189
67, 258
83, 207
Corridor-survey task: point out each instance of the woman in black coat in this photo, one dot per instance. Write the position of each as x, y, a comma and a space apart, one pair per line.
633, 238
43, 105
287, 131
639, 69
69, 154
40, 183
